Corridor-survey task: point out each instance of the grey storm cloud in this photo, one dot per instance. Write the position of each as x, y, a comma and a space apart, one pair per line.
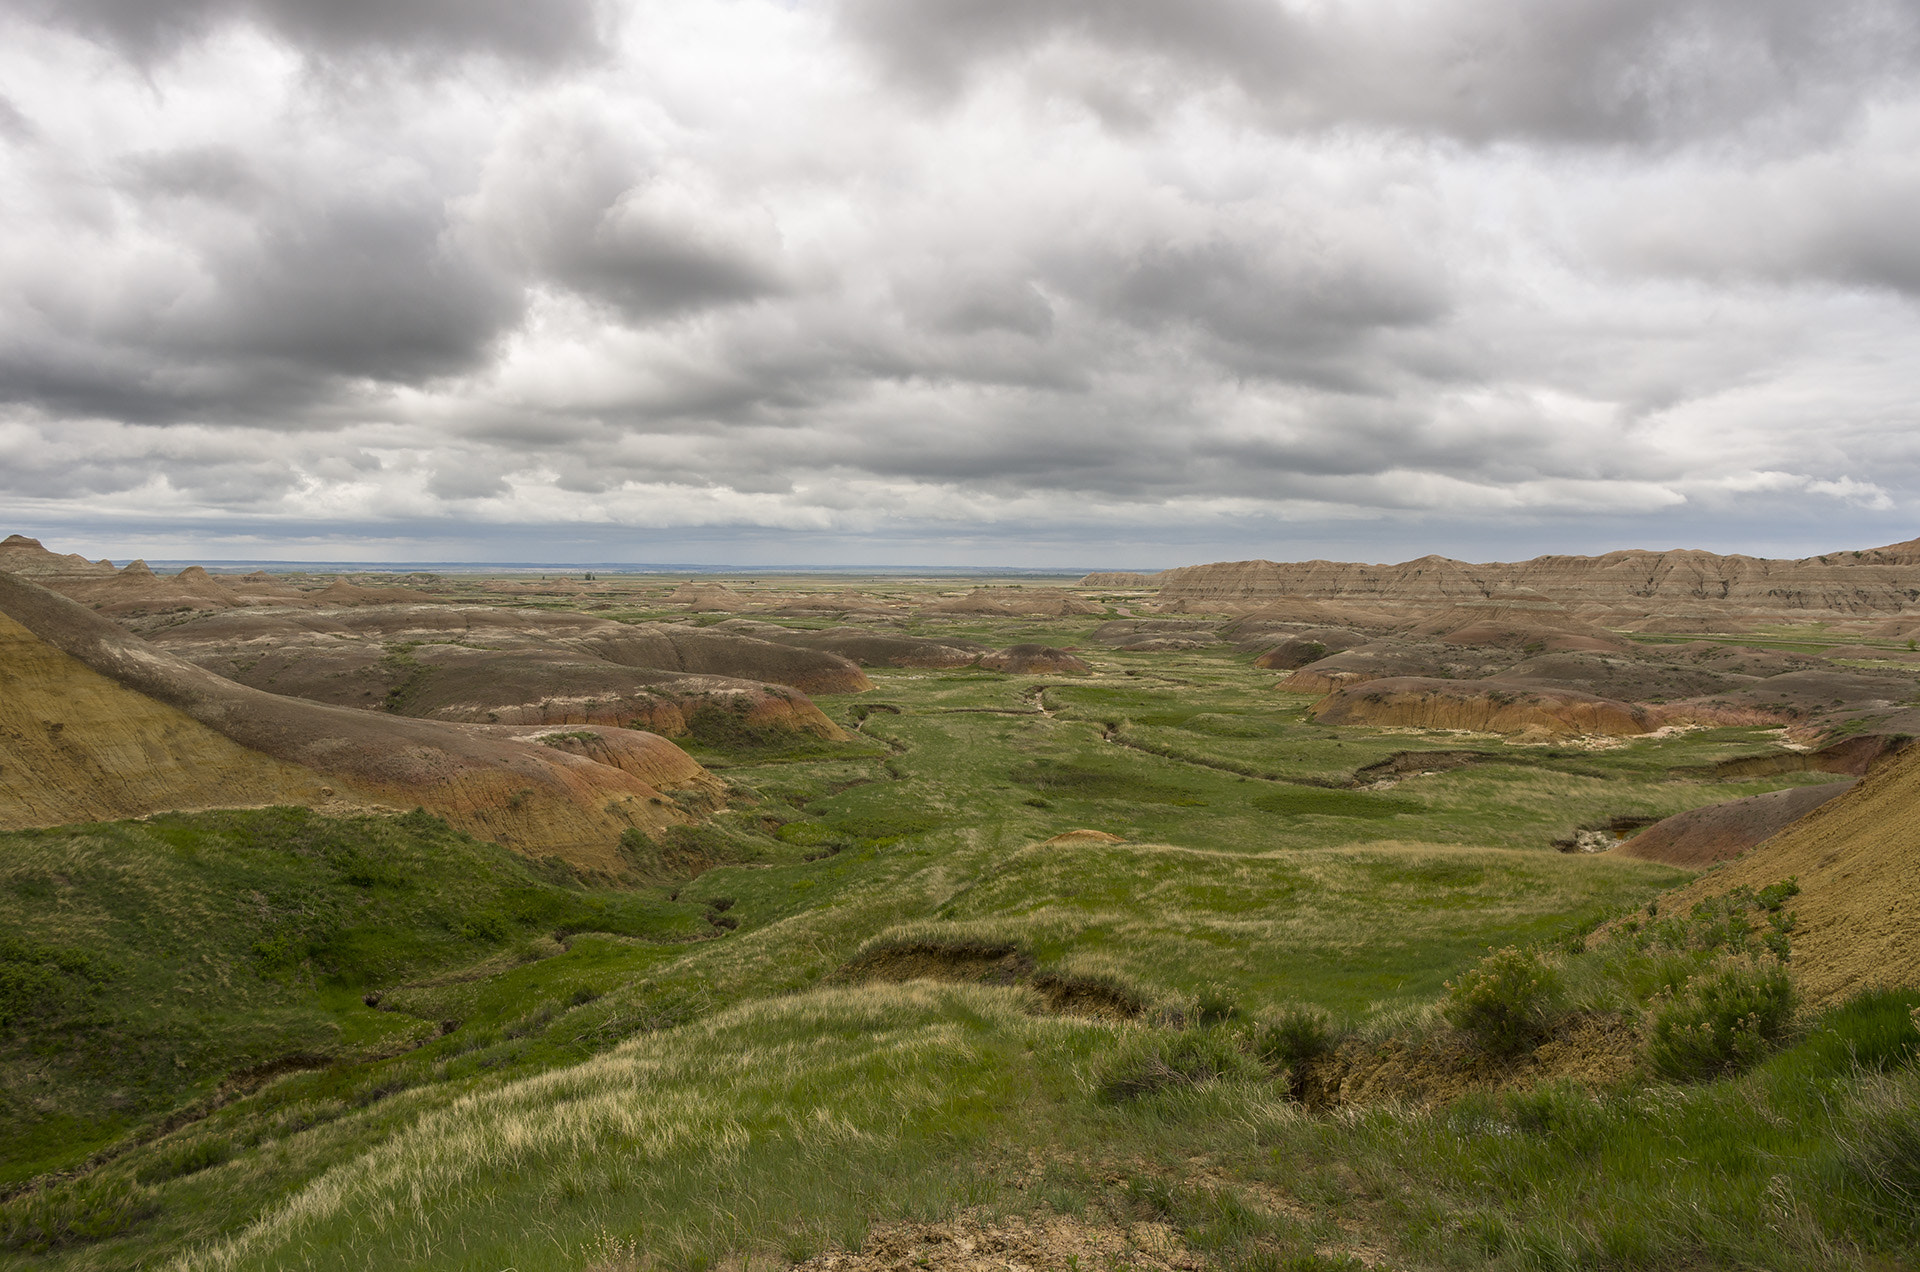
1577, 70
546, 32
866, 264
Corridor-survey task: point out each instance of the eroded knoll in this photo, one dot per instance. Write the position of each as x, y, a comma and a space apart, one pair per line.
495, 781
77, 746
486, 665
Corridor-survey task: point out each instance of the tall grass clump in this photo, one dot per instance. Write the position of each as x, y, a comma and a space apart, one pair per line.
1882, 1149
1506, 1001
1156, 1060
1720, 1022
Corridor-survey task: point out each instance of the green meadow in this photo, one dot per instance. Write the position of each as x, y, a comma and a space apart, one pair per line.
268, 1039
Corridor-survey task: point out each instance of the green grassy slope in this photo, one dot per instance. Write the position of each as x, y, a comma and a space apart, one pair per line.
699, 1099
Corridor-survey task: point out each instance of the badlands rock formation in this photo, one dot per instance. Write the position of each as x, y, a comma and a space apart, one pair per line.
1424, 703
477, 664
1016, 602
497, 781
1679, 588
1701, 836
1034, 660
861, 646
1120, 578
77, 746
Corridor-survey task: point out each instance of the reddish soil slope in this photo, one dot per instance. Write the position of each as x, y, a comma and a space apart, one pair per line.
494, 781
1702, 836
1480, 706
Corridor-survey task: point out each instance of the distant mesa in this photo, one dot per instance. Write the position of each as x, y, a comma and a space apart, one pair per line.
1032, 660
1480, 707
1684, 590
496, 781
1702, 836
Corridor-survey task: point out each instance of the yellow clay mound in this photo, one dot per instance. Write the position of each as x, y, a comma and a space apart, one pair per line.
495, 781
1857, 859
76, 746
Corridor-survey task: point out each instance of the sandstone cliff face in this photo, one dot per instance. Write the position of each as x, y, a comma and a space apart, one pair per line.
76, 746
24, 556
1636, 586
1481, 707
497, 782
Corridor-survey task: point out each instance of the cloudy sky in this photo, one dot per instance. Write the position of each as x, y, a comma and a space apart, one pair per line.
1033, 282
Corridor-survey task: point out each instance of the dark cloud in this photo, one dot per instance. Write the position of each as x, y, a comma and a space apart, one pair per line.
1578, 70
1296, 311
289, 300
14, 124
876, 269
552, 31
577, 204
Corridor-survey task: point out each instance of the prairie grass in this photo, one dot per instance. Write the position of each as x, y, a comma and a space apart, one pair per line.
688, 1074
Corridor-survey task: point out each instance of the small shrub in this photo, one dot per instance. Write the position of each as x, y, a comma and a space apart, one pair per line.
1215, 1004
488, 925
1720, 1022
1158, 1060
1292, 1040
1505, 1002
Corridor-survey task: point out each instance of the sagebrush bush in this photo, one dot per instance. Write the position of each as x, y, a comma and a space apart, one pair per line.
1295, 1037
1157, 1060
1721, 1021
1506, 1002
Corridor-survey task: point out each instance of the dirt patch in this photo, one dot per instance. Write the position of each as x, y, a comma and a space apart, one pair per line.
1053, 1243
1078, 996
1593, 1048
1069, 838
1849, 757
1404, 764
972, 963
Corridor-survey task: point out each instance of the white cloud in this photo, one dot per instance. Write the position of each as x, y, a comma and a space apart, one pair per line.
1053, 272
